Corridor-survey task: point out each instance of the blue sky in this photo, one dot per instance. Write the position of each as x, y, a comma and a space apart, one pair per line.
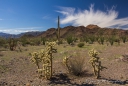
17, 16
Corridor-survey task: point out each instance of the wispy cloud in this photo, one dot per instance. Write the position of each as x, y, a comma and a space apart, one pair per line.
46, 17
85, 17
19, 30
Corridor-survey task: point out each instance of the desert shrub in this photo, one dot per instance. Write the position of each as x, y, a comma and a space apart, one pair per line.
69, 39
91, 39
75, 64
80, 44
2, 42
24, 41
86, 39
12, 43
36, 41
101, 40
111, 40
43, 40
124, 39
117, 40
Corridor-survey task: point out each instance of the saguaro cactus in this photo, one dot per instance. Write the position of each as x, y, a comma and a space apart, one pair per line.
96, 64
58, 31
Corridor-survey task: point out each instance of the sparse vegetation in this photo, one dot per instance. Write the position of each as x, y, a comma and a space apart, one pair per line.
80, 44
75, 64
13, 64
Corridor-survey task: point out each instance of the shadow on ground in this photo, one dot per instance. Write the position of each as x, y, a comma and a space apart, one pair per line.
113, 81
63, 79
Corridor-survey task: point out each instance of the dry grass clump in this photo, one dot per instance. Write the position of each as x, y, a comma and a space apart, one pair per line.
75, 64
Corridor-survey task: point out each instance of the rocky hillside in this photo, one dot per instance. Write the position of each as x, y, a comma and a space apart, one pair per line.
83, 31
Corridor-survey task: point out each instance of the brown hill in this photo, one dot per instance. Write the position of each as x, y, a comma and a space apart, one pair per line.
82, 31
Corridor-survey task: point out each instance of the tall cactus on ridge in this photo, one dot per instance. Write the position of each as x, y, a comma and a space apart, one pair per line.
58, 31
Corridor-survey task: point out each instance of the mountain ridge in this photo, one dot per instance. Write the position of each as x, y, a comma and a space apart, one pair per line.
77, 31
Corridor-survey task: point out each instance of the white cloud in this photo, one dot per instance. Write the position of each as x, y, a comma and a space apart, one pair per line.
19, 30
85, 17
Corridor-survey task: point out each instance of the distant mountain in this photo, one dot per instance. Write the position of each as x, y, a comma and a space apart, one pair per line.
5, 35
83, 31
32, 33
71, 30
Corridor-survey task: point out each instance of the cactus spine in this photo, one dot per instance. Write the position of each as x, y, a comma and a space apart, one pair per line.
95, 63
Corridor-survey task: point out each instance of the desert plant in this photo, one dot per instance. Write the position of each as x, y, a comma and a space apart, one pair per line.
69, 39
43, 40
95, 63
74, 64
45, 56
101, 40
12, 44
124, 39
58, 31
91, 39
36, 41
2, 42
36, 59
111, 40
24, 41
80, 44
86, 39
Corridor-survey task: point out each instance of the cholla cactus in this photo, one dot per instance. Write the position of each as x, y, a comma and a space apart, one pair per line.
65, 62
45, 56
47, 61
96, 64
36, 59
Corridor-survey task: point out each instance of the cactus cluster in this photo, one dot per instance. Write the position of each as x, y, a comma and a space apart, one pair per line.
45, 56
95, 63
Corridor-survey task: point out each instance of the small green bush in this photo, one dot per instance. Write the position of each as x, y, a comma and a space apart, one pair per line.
124, 39
80, 44
69, 39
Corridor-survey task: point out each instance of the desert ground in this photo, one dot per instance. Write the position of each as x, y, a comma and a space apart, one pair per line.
16, 69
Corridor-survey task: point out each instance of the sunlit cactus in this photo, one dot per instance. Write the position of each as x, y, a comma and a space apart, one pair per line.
36, 59
65, 62
96, 64
45, 56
